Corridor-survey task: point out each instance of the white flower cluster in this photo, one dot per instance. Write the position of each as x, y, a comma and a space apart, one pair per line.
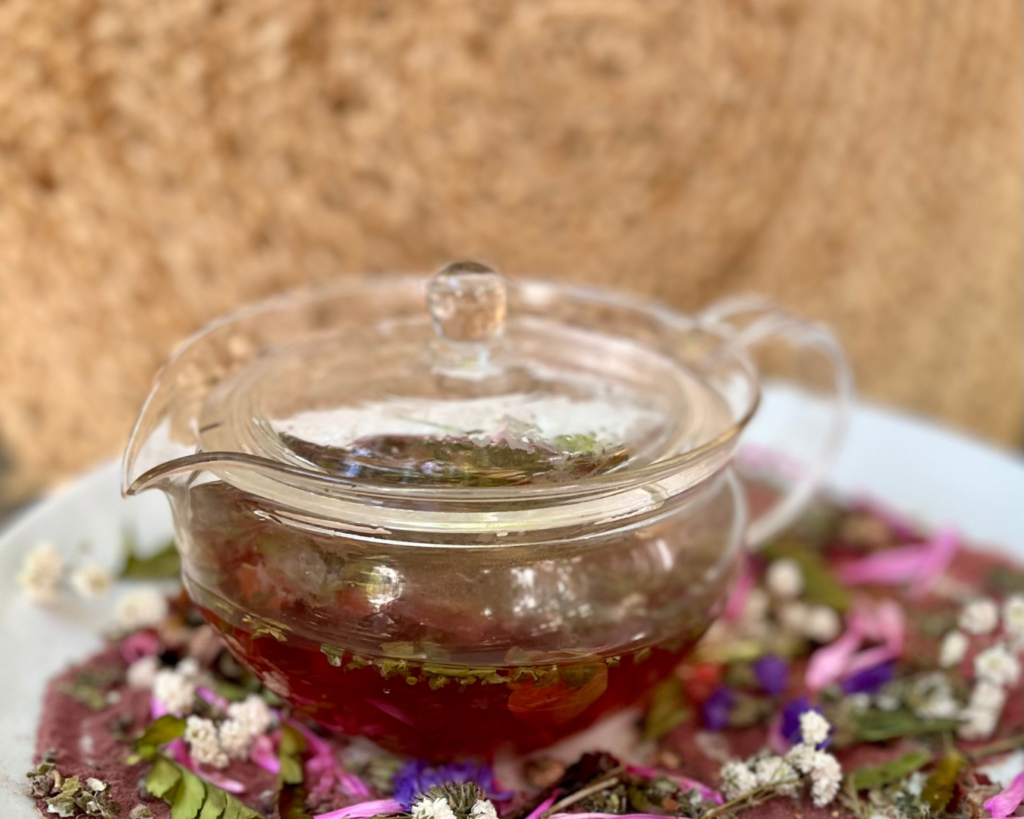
996, 667
43, 571
142, 608
802, 765
932, 696
175, 688
215, 745
784, 578
439, 808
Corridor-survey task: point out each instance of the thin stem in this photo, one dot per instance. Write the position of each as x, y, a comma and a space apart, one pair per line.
583, 793
764, 790
985, 751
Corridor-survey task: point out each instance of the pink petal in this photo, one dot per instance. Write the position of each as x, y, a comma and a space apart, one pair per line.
212, 697
362, 810
741, 591
1003, 804
317, 745
156, 708
222, 782
541, 808
264, 755
942, 550
706, 793
829, 663
391, 711
353, 785
140, 644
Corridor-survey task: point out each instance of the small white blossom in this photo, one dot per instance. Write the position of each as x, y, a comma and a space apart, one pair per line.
793, 616
755, 608
981, 716
142, 608
774, 770
953, 649
814, 728
939, 705
91, 582
204, 744
174, 691
1013, 617
95, 785
142, 673
484, 809
979, 616
801, 757
826, 776
252, 713
235, 739
785, 578
887, 702
41, 573
997, 665
858, 703
427, 808
822, 624
737, 779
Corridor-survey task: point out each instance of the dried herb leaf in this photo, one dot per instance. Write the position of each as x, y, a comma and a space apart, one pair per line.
878, 776
938, 788
878, 726
164, 564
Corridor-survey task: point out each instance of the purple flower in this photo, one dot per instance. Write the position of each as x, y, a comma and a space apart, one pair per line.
790, 728
417, 777
772, 673
869, 680
717, 708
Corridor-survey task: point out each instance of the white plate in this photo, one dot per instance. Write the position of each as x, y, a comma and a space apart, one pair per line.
936, 475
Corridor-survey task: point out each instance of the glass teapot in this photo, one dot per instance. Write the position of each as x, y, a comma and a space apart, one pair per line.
462, 513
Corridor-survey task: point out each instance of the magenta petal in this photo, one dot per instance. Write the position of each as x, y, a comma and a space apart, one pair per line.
156, 708
891, 567
222, 782
1003, 804
543, 806
212, 697
942, 549
362, 810
264, 755
353, 785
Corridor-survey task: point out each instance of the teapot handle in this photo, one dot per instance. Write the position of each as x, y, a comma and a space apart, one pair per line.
811, 388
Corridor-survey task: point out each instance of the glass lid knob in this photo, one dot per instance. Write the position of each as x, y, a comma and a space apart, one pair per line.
468, 302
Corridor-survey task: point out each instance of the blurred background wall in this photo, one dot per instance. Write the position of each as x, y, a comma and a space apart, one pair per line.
162, 161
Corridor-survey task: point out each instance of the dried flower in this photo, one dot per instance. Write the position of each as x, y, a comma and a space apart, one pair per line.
785, 578
826, 776
814, 728
775, 770
717, 709
869, 680
427, 808
41, 573
1013, 617
801, 757
822, 624
953, 649
792, 722
91, 582
772, 673
981, 716
484, 809
204, 743
997, 665
246, 721
142, 673
737, 779
979, 616
142, 608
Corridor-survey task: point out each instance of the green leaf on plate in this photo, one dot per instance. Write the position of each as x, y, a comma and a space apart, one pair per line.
189, 797
878, 776
162, 777
159, 733
938, 788
878, 726
165, 564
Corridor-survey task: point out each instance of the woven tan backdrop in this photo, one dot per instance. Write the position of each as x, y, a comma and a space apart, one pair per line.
162, 161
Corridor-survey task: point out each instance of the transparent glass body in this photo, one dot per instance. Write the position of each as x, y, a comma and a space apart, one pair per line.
498, 591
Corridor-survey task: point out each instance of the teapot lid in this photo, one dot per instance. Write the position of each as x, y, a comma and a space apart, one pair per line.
468, 392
